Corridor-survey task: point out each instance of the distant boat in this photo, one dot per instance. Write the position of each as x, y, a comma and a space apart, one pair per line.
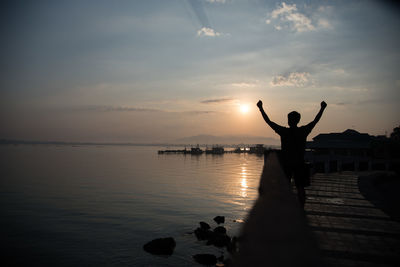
242, 150
219, 150
196, 150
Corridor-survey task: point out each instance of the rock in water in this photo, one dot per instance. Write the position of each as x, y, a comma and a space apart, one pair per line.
203, 234
219, 240
206, 259
220, 230
219, 219
160, 246
204, 225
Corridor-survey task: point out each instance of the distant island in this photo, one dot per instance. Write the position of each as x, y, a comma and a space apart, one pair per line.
34, 142
227, 139
203, 140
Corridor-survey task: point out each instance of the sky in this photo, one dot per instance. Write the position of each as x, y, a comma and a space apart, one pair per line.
156, 71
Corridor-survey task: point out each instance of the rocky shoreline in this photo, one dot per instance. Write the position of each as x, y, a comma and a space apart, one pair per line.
217, 237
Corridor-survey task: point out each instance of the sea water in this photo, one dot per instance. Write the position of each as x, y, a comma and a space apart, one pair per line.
98, 205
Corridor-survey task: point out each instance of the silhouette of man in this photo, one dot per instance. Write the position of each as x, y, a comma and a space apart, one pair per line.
293, 144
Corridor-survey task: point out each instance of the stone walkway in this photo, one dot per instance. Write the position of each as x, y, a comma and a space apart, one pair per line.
349, 229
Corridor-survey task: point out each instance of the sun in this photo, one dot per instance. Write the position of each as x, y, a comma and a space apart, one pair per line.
244, 109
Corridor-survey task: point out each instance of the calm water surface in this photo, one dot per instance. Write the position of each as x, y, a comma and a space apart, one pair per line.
98, 205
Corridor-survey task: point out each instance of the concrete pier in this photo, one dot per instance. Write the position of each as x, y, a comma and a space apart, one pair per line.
275, 232
339, 227
350, 230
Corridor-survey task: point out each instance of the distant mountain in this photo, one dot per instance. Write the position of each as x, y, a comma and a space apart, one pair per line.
227, 139
202, 139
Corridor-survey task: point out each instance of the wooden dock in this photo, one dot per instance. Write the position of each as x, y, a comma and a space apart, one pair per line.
275, 232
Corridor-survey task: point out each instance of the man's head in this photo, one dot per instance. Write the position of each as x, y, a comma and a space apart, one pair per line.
293, 118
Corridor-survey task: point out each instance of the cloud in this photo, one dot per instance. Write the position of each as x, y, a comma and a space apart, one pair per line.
298, 79
244, 85
288, 16
205, 31
216, 1
324, 23
217, 100
300, 22
284, 9
368, 101
104, 108
339, 71
342, 104
351, 89
199, 112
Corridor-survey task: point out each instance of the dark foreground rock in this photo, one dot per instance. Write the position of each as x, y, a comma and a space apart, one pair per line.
203, 234
220, 230
219, 219
219, 240
218, 237
206, 259
160, 246
204, 225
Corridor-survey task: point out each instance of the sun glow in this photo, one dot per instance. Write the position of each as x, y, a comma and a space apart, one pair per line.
244, 109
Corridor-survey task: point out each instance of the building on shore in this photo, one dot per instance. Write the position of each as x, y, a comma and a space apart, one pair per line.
349, 151
258, 149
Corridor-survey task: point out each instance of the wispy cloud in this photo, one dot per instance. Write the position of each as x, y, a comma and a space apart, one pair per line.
244, 85
297, 79
288, 16
205, 31
342, 104
217, 100
283, 10
339, 71
199, 112
324, 23
216, 1
367, 101
104, 108
350, 89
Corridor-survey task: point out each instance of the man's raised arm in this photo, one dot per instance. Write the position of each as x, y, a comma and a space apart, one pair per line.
271, 124
319, 115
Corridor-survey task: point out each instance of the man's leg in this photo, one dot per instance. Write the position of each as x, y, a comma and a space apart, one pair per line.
301, 179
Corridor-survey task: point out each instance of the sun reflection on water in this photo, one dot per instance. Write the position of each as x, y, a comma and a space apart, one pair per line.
243, 182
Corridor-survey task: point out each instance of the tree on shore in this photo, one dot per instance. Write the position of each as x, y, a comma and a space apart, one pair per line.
395, 135
395, 146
